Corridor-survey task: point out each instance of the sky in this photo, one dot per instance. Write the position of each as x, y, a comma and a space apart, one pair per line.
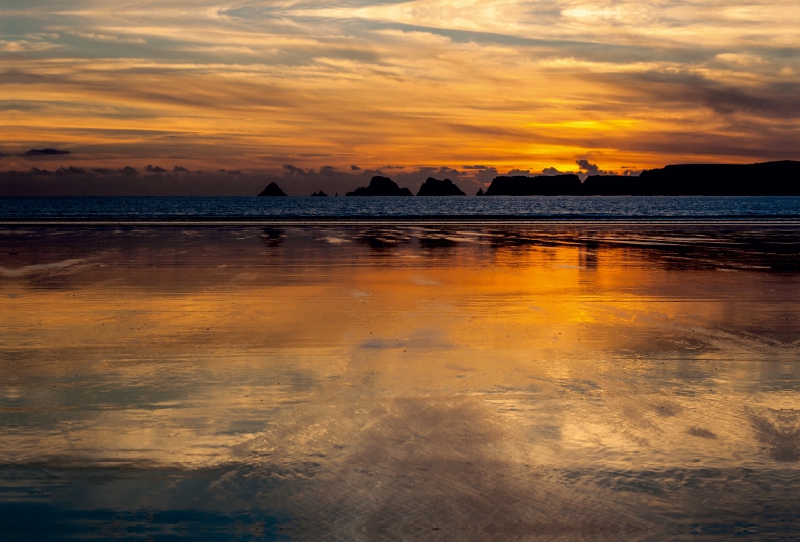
380, 85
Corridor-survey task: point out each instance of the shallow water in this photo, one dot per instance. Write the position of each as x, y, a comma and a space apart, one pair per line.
561, 382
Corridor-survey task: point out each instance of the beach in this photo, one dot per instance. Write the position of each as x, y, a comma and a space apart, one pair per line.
557, 381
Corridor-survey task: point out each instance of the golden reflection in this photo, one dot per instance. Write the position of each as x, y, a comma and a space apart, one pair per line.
420, 357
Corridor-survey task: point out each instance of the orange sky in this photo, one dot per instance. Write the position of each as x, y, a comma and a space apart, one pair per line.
506, 84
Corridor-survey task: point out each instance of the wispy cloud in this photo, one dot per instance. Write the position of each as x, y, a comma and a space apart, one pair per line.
500, 83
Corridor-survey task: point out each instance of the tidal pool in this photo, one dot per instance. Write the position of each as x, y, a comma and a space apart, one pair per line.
412, 382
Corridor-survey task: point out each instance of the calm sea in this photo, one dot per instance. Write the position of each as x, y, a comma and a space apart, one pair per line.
254, 208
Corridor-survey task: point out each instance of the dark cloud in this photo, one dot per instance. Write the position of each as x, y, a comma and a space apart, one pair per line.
474, 167
37, 171
327, 170
591, 169
587, 169
550, 171
355, 168
485, 176
179, 169
154, 169
520, 173
44, 152
128, 170
292, 170
768, 100
71, 170
392, 167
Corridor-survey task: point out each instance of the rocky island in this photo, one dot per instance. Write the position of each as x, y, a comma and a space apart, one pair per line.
272, 189
380, 186
435, 187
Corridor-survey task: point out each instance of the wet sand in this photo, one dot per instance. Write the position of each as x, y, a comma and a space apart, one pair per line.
583, 382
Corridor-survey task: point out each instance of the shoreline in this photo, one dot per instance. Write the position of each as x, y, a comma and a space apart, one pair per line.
415, 220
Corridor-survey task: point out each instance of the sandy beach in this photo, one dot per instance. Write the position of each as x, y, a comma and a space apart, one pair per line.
562, 382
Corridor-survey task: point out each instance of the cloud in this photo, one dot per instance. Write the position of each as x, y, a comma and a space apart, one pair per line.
550, 171
485, 176
591, 169
71, 170
644, 73
179, 169
474, 167
154, 169
24, 46
292, 170
44, 152
355, 168
520, 173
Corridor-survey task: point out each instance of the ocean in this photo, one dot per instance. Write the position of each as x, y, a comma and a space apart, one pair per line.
242, 209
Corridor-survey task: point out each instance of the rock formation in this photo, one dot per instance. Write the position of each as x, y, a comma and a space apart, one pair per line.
381, 186
435, 187
272, 189
763, 179
540, 185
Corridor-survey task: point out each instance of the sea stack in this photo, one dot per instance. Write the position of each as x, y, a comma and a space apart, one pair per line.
272, 189
435, 187
381, 186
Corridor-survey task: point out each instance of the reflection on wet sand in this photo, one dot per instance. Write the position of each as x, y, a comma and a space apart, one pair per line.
364, 383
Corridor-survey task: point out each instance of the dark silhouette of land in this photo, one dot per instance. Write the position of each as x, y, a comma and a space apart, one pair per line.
762, 179
319, 194
435, 187
540, 185
272, 189
380, 186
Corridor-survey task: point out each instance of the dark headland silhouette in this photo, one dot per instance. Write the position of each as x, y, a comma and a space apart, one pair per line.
380, 186
762, 179
541, 185
319, 194
272, 189
435, 187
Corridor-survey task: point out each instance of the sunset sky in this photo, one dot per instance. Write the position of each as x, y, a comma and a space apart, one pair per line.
374, 83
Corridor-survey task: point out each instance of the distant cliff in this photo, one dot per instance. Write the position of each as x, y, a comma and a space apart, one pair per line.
435, 187
272, 189
540, 185
381, 186
763, 179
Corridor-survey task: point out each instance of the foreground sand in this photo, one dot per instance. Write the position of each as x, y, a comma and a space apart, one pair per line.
363, 383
